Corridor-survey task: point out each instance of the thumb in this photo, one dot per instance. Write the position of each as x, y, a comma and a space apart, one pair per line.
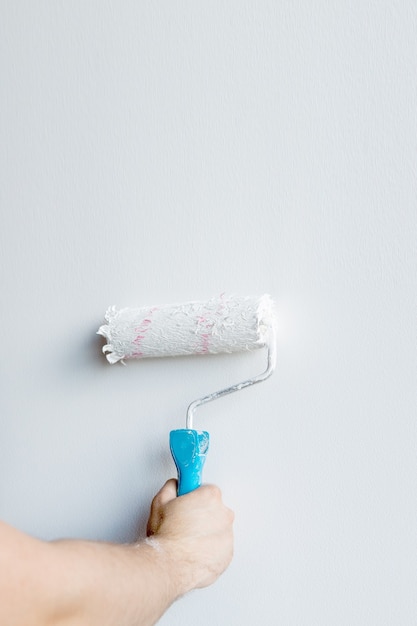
167, 493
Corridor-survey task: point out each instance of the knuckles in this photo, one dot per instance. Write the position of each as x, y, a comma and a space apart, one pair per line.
213, 491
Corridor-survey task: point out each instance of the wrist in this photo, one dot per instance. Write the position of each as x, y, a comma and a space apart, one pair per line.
172, 568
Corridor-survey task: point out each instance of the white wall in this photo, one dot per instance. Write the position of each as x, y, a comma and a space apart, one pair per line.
158, 152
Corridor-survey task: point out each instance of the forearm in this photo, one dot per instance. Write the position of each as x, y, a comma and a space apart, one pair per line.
72, 583
113, 585
82, 583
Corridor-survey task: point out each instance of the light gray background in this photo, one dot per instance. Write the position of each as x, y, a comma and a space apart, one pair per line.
158, 152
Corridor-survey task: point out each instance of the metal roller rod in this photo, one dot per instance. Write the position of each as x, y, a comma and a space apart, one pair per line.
271, 362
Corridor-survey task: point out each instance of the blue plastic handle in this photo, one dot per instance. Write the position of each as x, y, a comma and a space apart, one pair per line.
189, 450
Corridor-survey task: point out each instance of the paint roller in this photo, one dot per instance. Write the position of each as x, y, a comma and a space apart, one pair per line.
225, 324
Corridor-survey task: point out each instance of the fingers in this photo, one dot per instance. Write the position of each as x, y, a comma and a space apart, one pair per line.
213, 498
206, 495
195, 530
207, 499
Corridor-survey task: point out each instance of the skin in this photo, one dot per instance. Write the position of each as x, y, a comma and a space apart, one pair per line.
81, 583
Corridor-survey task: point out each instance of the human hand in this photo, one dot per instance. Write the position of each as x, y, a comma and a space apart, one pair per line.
194, 531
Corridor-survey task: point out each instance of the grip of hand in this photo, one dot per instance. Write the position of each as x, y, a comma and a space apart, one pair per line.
189, 450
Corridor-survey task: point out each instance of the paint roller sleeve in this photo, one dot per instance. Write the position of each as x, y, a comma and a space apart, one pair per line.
224, 324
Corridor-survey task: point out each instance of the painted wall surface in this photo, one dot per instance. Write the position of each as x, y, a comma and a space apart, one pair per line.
156, 152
